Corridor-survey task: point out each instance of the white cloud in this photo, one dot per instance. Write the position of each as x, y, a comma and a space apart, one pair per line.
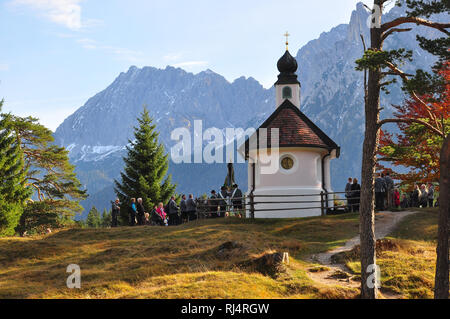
64, 12
4, 67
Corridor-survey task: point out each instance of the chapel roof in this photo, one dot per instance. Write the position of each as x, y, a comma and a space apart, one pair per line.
295, 129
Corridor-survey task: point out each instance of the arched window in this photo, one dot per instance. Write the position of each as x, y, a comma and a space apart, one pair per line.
287, 92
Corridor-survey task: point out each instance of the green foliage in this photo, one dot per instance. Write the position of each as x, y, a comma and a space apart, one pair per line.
425, 83
422, 82
48, 172
373, 59
145, 171
37, 217
420, 8
94, 220
106, 218
13, 190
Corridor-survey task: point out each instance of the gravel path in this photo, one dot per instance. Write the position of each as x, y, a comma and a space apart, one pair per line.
337, 274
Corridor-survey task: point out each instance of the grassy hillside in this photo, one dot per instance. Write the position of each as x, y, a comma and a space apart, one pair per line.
184, 261
407, 258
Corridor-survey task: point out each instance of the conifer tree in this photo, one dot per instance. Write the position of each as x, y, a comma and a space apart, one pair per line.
145, 171
57, 191
106, 218
13, 191
94, 219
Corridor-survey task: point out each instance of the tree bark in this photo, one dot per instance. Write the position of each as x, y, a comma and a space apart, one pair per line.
441, 284
371, 138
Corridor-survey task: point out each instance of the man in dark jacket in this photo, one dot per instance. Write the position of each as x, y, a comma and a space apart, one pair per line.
236, 199
183, 209
380, 190
348, 194
389, 190
191, 207
223, 194
140, 216
115, 212
173, 212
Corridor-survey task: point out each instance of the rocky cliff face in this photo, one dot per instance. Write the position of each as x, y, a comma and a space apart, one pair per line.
332, 96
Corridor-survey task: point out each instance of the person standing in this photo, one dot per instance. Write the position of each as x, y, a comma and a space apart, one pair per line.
415, 196
162, 214
396, 198
356, 194
430, 195
173, 212
183, 209
423, 198
133, 211
236, 199
348, 194
380, 189
140, 216
223, 194
191, 207
115, 212
389, 190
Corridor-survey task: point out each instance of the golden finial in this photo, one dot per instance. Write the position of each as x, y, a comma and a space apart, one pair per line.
287, 42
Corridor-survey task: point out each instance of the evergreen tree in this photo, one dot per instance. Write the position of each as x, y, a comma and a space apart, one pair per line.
106, 218
146, 166
57, 191
13, 191
94, 219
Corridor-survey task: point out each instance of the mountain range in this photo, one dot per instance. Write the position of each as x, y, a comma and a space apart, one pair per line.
331, 95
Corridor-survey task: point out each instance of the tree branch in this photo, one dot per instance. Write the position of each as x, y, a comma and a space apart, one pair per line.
411, 120
439, 26
414, 95
393, 30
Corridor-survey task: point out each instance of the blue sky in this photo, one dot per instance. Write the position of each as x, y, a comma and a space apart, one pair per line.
58, 53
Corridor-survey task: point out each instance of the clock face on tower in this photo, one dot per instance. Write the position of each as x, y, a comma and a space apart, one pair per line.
287, 162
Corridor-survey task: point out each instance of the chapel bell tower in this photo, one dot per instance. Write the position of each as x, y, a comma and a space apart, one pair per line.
287, 87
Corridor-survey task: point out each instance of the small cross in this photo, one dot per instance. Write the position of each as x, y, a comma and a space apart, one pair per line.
287, 41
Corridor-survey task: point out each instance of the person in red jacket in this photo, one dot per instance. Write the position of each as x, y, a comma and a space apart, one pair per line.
396, 198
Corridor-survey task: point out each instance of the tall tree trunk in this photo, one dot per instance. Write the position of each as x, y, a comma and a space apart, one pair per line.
441, 284
371, 137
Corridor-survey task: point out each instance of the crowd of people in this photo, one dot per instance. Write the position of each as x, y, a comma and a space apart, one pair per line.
387, 196
229, 201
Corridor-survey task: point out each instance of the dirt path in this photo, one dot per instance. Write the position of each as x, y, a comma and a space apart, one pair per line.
337, 274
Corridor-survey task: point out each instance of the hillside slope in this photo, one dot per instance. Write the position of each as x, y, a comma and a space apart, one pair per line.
186, 262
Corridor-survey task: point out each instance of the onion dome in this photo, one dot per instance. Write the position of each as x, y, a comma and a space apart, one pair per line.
287, 65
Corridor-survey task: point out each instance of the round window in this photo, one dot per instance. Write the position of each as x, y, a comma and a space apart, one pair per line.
287, 162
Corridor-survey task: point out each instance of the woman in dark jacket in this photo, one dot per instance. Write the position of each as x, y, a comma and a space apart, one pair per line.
133, 212
356, 193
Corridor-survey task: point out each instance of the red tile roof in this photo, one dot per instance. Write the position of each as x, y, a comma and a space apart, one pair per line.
295, 129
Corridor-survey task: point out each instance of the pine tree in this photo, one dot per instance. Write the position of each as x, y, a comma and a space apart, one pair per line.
106, 218
146, 166
94, 219
57, 191
13, 191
